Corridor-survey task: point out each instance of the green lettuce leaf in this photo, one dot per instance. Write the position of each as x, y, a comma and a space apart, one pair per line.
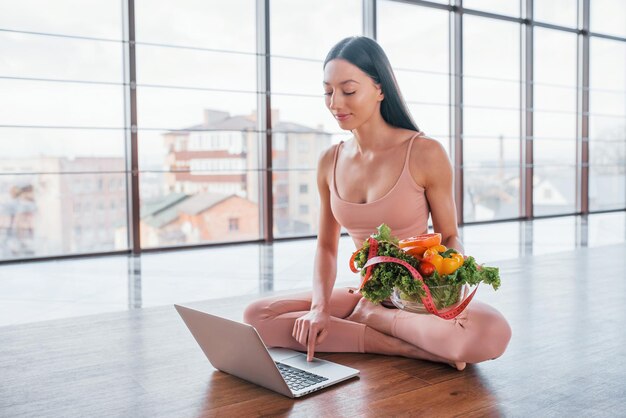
383, 234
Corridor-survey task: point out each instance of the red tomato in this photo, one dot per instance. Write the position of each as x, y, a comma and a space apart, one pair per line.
426, 269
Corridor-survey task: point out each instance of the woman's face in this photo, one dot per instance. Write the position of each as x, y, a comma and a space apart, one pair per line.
351, 95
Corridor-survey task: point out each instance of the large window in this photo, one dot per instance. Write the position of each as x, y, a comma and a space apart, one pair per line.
491, 119
197, 120
302, 34
607, 107
607, 124
419, 54
66, 123
62, 167
554, 118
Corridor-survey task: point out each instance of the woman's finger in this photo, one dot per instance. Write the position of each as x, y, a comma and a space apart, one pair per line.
299, 331
304, 329
310, 350
322, 336
294, 332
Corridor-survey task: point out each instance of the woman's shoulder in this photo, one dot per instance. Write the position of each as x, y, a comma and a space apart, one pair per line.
325, 163
426, 147
428, 157
327, 155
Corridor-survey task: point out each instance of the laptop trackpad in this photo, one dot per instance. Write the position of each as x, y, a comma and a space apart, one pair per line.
300, 362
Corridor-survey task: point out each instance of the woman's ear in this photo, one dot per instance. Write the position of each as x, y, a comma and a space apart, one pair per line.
381, 95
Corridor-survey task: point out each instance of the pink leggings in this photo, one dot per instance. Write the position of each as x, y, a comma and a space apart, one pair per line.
480, 333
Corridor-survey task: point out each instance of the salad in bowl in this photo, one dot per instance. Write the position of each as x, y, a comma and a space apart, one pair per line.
418, 274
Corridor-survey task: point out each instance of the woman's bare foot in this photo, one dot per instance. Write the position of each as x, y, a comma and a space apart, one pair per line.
378, 338
459, 365
374, 316
378, 343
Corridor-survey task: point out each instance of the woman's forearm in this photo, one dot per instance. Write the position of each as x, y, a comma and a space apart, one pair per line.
453, 241
324, 275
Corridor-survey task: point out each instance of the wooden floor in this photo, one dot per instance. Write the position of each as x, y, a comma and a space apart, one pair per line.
567, 358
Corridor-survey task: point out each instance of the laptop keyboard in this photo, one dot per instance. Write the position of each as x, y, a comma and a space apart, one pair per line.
297, 378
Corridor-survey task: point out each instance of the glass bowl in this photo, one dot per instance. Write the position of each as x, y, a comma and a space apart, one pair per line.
445, 297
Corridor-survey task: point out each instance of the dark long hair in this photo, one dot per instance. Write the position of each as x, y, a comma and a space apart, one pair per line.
367, 54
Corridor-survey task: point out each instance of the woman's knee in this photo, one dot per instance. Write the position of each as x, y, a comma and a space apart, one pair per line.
498, 334
501, 335
256, 312
489, 338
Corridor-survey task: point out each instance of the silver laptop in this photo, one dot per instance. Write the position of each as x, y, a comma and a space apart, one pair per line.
237, 349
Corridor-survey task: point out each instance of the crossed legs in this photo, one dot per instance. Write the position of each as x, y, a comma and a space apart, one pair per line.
359, 326
479, 333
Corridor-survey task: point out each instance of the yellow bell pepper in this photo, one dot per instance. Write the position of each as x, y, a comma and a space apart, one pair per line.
436, 249
436, 260
443, 265
450, 265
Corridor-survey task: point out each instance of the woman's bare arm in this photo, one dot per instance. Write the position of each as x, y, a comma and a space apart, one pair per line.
439, 184
325, 263
312, 328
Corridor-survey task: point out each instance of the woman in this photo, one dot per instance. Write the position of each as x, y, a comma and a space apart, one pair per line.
388, 172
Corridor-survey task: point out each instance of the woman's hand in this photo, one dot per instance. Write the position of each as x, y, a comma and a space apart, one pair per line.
311, 329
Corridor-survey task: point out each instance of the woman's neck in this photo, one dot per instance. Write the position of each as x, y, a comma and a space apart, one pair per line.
375, 136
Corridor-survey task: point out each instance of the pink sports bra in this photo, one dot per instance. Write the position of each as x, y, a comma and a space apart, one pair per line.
404, 208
